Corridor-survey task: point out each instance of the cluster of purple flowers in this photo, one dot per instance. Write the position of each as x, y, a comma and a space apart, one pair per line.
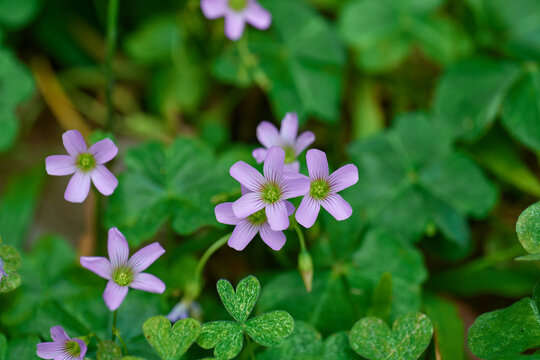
121, 271
264, 207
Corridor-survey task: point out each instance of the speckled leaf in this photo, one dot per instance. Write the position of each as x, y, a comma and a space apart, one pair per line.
508, 331
271, 328
240, 303
108, 350
10, 282
410, 335
171, 342
528, 229
226, 337
11, 257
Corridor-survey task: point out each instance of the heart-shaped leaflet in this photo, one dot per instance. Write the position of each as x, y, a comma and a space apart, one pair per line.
240, 303
171, 342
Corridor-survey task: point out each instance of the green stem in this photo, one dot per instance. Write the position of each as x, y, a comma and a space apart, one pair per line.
300, 236
112, 34
124, 347
251, 63
211, 250
250, 347
115, 319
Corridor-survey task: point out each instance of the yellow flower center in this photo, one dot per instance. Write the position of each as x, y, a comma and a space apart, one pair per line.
258, 218
271, 193
238, 5
73, 348
123, 276
86, 162
319, 189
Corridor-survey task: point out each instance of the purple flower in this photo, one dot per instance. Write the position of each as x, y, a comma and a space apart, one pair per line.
268, 192
236, 14
324, 188
62, 348
183, 310
246, 229
286, 139
124, 272
2, 271
86, 165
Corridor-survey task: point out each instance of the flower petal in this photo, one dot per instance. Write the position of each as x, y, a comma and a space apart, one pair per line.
145, 257
277, 216
148, 282
234, 25
114, 295
118, 248
289, 128
292, 170
268, 135
257, 16
259, 154
242, 235
74, 142
337, 207
78, 187
274, 164
103, 151
225, 214
343, 177
304, 140
274, 239
104, 180
299, 186
98, 265
83, 347
213, 9
290, 208
58, 334
50, 350
247, 175
60, 165
317, 164
307, 212
248, 204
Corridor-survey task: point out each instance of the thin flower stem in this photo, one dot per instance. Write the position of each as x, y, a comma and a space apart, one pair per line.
252, 64
300, 236
112, 34
115, 319
124, 347
211, 250
250, 348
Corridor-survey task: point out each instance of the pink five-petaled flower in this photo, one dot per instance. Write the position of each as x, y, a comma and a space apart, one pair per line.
237, 13
267, 192
86, 164
286, 139
324, 188
124, 272
62, 347
246, 229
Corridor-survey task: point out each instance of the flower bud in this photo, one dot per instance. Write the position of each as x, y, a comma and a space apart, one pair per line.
305, 266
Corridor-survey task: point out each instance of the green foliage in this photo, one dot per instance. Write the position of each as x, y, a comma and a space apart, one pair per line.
15, 14
407, 340
411, 177
108, 350
174, 184
17, 86
227, 337
12, 263
171, 342
528, 229
384, 32
508, 331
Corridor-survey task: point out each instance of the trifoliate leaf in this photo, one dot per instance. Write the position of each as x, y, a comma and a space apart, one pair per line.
271, 328
508, 331
470, 93
226, 337
240, 303
528, 229
176, 183
521, 109
410, 177
171, 342
409, 337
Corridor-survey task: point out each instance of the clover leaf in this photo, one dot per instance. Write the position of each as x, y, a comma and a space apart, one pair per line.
306, 343
528, 229
175, 183
384, 32
407, 340
11, 263
227, 337
413, 180
301, 57
171, 342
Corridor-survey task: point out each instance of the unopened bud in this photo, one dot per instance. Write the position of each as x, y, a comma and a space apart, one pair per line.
305, 266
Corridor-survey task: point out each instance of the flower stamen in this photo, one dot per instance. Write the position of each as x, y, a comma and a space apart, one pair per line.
123, 276
319, 189
73, 348
258, 218
86, 162
271, 193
